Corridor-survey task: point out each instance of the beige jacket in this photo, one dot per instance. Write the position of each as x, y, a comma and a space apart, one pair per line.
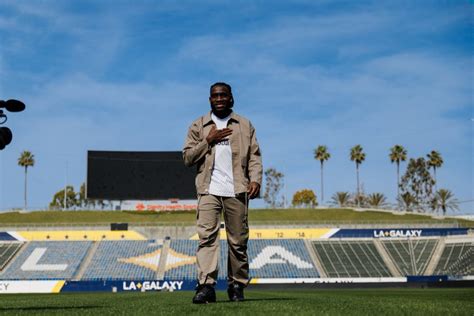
246, 157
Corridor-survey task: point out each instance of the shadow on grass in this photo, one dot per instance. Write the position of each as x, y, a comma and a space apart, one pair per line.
41, 308
258, 300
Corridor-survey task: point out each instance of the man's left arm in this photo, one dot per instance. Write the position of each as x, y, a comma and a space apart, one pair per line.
254, 166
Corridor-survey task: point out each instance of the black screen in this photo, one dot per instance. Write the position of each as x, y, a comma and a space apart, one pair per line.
125, 175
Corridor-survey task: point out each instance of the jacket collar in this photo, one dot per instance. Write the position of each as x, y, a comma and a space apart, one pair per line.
208, 119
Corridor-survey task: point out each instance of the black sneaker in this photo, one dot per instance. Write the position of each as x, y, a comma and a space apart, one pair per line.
204, 294
236, 292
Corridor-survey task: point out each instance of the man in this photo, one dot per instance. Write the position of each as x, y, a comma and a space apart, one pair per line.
223, 147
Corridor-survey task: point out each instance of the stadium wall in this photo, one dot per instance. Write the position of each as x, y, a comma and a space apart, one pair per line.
272, 261
65, 286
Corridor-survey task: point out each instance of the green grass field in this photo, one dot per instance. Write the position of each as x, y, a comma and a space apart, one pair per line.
262, 216
296, 302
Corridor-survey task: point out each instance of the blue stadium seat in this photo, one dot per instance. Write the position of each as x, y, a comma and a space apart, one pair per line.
47, 260
124, 260
280, 258
181, 261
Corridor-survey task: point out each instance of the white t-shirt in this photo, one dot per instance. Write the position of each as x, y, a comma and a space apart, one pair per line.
222, 178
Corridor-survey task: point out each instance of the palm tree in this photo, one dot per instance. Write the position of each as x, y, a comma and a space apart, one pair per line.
407, 201
376, 200
435, 161
357, 155
444, 199
27, 159
321, 153
398, 154
341, 199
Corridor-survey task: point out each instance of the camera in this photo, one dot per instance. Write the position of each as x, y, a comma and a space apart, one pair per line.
6, 134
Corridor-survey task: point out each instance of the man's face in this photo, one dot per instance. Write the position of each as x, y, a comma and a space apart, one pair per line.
221, 101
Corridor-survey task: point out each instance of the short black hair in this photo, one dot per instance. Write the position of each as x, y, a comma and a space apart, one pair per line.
221, 84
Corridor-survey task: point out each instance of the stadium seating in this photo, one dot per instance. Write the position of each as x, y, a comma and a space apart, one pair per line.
180, 263
353, 258
457, 259
410, 256
181, 260
124, 260
268, 259
280, 258
7, 251
47, 260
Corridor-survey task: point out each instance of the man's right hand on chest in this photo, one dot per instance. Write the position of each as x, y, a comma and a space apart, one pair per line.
217, 135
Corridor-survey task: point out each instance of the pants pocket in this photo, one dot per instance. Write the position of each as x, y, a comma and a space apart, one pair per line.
246, 212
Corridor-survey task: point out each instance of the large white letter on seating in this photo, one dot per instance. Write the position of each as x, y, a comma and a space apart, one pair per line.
284, 257
31, 264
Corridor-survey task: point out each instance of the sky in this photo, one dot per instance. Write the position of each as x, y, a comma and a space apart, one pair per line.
133, 75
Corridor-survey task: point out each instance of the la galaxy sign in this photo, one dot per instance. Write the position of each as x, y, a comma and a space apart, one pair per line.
152, 286
397, 233
400, 232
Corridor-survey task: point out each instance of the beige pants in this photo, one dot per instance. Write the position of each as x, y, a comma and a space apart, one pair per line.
235, 212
